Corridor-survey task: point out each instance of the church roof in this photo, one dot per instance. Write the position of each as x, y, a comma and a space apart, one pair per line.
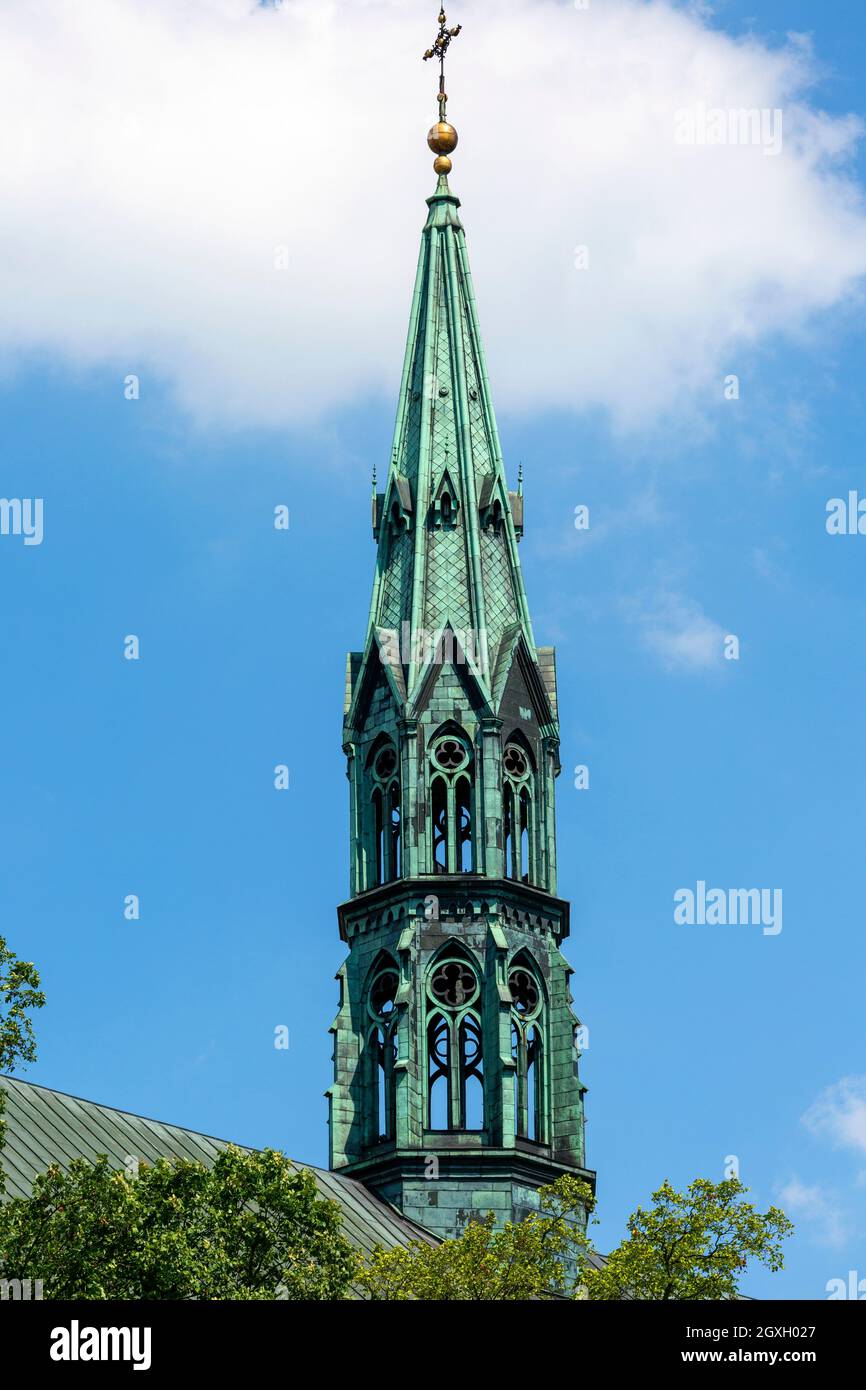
45, 1127
447, 525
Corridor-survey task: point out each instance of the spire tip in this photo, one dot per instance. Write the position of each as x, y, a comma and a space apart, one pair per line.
442, 137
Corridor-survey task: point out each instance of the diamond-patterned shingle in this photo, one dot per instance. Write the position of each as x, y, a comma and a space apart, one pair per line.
446, 420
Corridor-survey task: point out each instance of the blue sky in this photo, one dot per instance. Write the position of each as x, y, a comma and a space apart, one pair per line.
156, 777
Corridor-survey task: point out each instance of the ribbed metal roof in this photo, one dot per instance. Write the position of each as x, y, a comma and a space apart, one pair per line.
45, 1127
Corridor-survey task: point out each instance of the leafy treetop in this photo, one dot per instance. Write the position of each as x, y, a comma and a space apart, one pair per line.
250, 1227
19, 995
691, 1245
526, 1259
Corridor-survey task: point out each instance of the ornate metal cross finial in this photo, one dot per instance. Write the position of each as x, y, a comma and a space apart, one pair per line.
441, 44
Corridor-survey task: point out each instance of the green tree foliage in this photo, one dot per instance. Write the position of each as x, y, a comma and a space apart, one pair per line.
19, 996
691, 1245
526, 1259
250, 1227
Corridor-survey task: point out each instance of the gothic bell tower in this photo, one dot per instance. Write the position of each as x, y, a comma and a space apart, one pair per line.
456, 1087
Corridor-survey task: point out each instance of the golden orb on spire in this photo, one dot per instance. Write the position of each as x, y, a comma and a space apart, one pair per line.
442, 138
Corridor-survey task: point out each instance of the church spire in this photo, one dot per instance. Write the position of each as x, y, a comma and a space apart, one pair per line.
449, 526
455, 1048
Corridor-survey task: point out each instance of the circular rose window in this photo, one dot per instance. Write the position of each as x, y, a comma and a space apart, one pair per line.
516, 761
450, 754
453, 984
385, 763
524, 992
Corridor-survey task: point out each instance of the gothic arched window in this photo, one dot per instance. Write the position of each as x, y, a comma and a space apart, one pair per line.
451, 803
382, 1051
463, 824
445, 505
394, 829
527, 1050
471, 1074
439, 803
438, 1072
385, 825
455, 1075
518, 817
492, 518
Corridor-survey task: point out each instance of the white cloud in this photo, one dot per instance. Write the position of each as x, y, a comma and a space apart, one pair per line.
153, 157
818, 1207
677, 630
839, 1114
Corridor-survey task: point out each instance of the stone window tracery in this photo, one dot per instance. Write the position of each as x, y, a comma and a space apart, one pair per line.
518, 812
382, 1050
386, 828
527, 1050
451, 801
455, 1072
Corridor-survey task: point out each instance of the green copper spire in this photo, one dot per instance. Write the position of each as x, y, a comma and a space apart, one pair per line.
459, 566
456, 1086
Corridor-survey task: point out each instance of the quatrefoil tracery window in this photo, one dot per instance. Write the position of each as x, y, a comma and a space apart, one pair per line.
527, 1050
455, 1075
525, 996
518, 821
454, 984
386, 763
385, 859
451, 792
382, 1052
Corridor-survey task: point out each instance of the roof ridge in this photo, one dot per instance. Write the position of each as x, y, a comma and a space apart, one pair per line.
44, 1128
132, 1114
